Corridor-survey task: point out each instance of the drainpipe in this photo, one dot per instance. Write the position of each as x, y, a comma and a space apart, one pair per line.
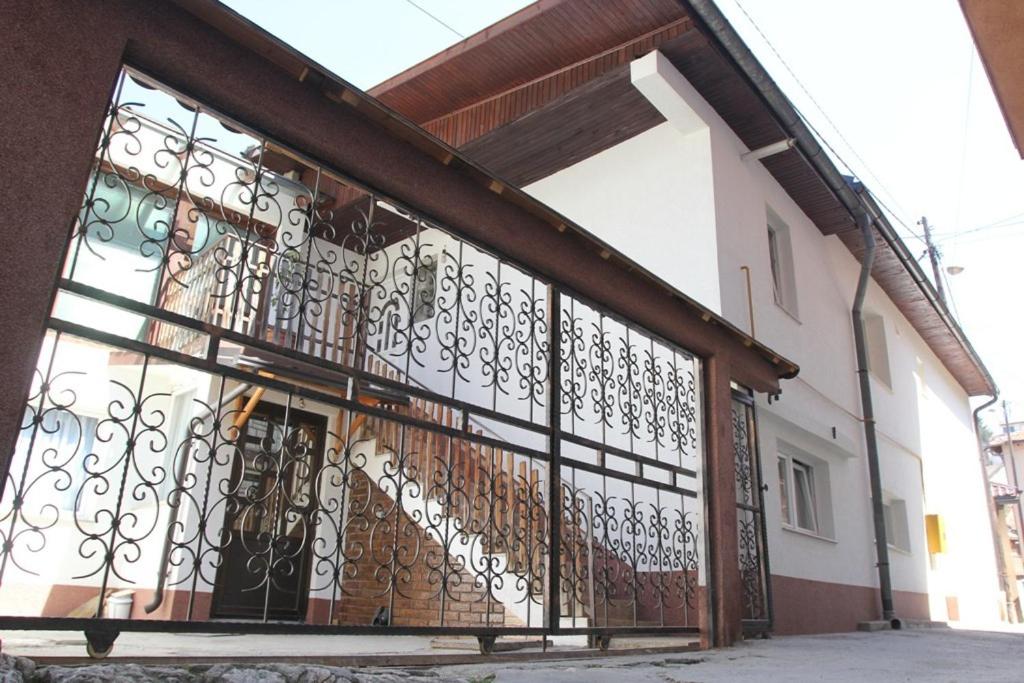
172, 517
864, 222
711, 20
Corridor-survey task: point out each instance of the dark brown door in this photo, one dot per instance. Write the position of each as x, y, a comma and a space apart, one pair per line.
264, 572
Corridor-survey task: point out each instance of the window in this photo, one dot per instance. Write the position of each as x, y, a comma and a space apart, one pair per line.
784, 489
897, 531
425, 285
798, 494
61, 445
877, 348
773, 255
780, 261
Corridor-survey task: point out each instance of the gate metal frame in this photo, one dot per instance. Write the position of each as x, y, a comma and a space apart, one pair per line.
101, 631
758, 615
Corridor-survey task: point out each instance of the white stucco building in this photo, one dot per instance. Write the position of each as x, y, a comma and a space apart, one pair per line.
620, 141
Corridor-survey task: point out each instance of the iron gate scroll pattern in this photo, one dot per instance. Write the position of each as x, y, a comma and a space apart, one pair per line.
753, 541
262, 379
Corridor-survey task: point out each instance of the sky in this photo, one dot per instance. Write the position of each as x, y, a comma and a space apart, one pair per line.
894, 86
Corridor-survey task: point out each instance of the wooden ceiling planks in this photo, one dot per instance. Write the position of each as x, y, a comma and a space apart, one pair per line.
535, 43
459, 127
892, 276
591, 118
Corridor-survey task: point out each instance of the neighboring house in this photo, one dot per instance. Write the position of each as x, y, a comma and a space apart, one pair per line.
640, 125
1004, 472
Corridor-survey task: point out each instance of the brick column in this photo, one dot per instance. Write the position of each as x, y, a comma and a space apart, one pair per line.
724, 579
57, 69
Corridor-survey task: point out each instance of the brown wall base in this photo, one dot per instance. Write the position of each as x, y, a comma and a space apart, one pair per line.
62, 600
806, 606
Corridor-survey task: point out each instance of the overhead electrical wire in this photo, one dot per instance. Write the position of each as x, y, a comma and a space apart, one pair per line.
435, 19
834, 127
963, 149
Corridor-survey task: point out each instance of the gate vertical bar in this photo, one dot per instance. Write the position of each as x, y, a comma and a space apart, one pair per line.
766, 566
554, 611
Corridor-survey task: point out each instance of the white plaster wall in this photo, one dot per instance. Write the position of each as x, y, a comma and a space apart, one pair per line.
924, 421
619, 196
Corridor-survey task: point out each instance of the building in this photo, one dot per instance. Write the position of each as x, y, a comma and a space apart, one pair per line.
648, 132
281, 361
1004, 472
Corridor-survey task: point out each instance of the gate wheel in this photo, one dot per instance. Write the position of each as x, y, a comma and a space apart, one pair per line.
603, 642
486, 644
98, 644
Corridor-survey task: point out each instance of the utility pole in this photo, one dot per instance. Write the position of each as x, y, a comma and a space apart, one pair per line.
1012, 466
933, 256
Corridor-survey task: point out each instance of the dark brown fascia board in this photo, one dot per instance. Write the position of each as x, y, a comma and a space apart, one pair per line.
304, 69
823, 166
885, 230
1017, 135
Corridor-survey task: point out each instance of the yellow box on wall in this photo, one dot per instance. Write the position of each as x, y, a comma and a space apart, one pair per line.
936, 531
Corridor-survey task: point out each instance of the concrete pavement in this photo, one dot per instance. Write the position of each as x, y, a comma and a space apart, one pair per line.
933, 655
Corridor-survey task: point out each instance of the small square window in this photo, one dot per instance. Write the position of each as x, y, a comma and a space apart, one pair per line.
877, 348
424, 284
897, 530
798, 495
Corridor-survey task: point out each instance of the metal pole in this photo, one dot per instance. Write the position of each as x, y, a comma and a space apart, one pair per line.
933, 256
554, 606
1012, 613
1013, 465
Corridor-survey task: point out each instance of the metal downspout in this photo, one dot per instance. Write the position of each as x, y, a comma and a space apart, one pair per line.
864, 222
172, 518
707, 14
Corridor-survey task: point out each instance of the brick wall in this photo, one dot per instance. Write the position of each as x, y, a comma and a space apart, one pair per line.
417, 593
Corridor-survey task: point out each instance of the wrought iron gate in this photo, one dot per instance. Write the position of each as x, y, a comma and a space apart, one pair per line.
501, 455
753, 539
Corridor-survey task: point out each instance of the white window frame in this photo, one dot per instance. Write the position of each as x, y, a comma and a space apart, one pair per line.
775, 264
877, 343
790, 494
780, 264
897, 527
425, 270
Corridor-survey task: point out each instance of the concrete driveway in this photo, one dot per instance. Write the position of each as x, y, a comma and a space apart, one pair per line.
933, 655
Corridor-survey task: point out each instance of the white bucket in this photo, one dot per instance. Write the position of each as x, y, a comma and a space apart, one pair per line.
119, 605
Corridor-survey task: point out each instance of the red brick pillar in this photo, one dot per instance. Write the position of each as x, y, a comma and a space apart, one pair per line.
57, 69
724, 579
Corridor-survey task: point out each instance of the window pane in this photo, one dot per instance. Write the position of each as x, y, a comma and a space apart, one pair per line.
773, 256
803, 488
784, 491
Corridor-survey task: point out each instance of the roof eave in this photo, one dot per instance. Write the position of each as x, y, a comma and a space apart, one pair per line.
790, 120
340, 91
